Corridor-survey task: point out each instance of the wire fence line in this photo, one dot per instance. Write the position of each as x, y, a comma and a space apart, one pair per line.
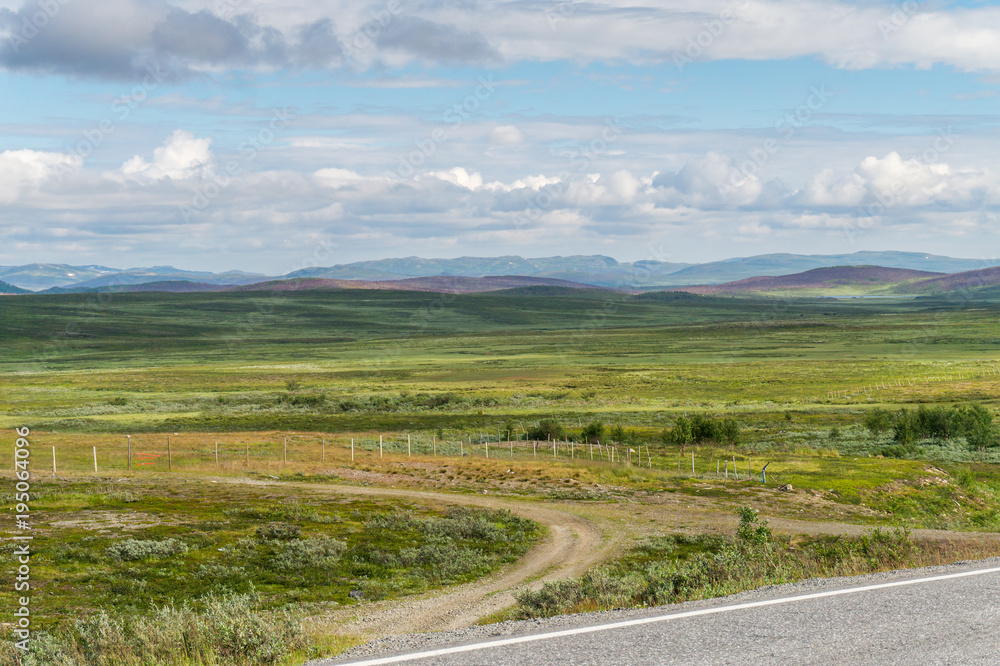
139, 453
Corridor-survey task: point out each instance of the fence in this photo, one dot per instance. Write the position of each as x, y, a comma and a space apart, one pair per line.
138, 453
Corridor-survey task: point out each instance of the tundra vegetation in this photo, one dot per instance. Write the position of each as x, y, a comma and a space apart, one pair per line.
879, 413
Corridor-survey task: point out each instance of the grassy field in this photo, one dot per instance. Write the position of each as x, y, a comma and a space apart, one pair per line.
211, 388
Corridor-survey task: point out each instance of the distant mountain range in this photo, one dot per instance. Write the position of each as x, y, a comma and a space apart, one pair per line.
38, 277
593, 270
448, 284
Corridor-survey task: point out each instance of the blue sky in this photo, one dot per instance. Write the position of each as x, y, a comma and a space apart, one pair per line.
273, 134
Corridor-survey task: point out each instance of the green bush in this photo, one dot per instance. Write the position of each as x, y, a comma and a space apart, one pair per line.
314, 553
136, 549
278, 531
225, 630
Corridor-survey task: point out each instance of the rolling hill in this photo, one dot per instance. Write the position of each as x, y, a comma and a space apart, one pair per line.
440, 284
729, 270
6, 289
594, 270
969, 281
836, 280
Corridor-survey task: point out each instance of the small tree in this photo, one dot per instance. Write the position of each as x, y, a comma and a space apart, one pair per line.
877, 421
729, 431
617, 434
593, 431
704, 429
547, 429
905, 427
680, 434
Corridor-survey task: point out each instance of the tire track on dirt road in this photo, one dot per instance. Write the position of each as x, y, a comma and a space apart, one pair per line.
573, 545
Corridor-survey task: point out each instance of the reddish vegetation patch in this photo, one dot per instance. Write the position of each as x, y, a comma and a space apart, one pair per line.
818, 278
985, 277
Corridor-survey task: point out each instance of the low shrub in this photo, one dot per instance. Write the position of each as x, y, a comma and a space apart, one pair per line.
224, 630
279, 532
141, 549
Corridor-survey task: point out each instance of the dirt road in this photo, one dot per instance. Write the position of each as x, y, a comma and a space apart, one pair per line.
580, 535
573, 544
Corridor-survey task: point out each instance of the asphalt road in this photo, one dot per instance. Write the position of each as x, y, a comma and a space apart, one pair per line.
942, 615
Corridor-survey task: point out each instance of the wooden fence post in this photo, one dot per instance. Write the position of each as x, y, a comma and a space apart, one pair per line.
53, 462
352, 449
95, 460
408, 446
169, 462
129, 452
324, 449
380, 446
284, 451
216, 454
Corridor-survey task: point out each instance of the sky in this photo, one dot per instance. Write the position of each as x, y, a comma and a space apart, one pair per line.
273, 135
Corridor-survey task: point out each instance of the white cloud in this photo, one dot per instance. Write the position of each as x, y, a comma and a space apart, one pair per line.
459, 176
892, 181
709, 180
181, 156
506, 135
24, 169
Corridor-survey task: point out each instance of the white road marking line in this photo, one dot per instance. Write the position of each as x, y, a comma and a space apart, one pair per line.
660, 618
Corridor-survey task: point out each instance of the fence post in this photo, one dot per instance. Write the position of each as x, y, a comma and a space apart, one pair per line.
129, 452
216, 454
324, 449
380, 446
53, 462
692, 462
95, 460
169, 463
248, 453
284, 452
408, 446
352, 449
434, 444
